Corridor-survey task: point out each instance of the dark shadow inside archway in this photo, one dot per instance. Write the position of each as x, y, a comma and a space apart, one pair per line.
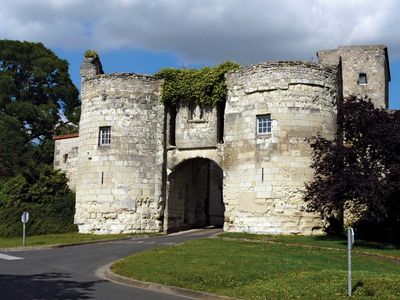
195, 195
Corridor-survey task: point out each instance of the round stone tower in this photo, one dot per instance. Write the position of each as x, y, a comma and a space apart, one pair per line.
272, 112
120, 159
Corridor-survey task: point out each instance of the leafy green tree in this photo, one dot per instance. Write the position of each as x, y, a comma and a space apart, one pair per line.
13, 146
35, 88
36, 94
360, 169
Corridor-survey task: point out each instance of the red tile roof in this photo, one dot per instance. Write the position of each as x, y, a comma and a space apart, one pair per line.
65, 136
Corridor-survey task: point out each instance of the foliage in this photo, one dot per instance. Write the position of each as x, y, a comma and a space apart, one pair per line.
263, 270
36, 94
204, 86
35, 88
14, 146
91, 54
360, 169
48, 200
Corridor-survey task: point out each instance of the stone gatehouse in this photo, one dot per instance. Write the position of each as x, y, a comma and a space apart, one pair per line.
139, 165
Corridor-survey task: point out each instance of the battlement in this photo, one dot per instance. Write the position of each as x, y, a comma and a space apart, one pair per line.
122, 75
279, 75
283, 64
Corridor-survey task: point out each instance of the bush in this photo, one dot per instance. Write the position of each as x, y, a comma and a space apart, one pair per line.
56, 217
50, 203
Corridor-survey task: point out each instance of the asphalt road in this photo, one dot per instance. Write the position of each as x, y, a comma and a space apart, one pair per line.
69, 273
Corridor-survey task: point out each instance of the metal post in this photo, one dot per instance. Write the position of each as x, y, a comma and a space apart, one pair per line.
23, 234
349, 245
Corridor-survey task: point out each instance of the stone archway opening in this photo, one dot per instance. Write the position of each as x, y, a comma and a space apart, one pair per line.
195, 195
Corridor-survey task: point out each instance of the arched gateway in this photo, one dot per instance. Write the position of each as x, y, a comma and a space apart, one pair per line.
140, 165
194, 195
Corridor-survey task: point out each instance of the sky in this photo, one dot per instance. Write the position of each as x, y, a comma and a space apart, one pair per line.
142, 36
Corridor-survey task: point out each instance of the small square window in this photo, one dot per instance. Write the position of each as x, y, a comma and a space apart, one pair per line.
105, 135
362, 78
264, 124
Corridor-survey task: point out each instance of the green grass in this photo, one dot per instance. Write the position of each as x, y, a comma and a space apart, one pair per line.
321, 241
251, 270
58, 239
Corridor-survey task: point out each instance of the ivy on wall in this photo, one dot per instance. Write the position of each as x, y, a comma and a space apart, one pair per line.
204, 86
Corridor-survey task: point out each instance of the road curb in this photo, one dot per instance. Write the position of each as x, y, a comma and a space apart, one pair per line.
106, 273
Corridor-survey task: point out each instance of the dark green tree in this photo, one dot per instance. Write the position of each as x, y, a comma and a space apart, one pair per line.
35, 88
36, 92
360, 169
36, 97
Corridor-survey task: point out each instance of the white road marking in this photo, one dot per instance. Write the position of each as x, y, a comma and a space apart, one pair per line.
9, 257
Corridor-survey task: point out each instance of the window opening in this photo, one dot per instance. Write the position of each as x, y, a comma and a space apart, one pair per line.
362, 78
264, 124
105, 135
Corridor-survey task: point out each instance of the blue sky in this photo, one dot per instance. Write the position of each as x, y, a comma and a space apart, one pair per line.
143, 36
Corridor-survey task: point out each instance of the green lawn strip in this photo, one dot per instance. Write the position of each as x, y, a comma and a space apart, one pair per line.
263, 270
59, 239
320, 241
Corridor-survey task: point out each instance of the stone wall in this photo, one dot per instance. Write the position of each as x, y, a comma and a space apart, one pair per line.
369, 60
66, 156
265, 174
196, 127
120, 185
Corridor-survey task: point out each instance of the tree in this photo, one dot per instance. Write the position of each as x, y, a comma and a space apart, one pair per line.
360, 170
35, 88
12, 147
36, 95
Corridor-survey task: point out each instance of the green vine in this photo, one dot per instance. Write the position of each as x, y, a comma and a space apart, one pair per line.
204, 86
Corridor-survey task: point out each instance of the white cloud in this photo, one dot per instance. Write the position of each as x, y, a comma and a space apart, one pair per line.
205, 30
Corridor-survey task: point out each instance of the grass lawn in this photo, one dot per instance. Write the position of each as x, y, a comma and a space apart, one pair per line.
263, 270
321, 241
57, 239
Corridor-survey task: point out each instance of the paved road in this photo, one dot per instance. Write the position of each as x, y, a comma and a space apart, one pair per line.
69, 273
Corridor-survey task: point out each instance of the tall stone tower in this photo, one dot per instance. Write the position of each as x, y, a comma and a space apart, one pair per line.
365, 71
120, 156
272, 113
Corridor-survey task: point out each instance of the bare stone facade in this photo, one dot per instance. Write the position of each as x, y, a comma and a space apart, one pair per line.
145, 166
66, 156
365, 71
266, 172
119, 181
